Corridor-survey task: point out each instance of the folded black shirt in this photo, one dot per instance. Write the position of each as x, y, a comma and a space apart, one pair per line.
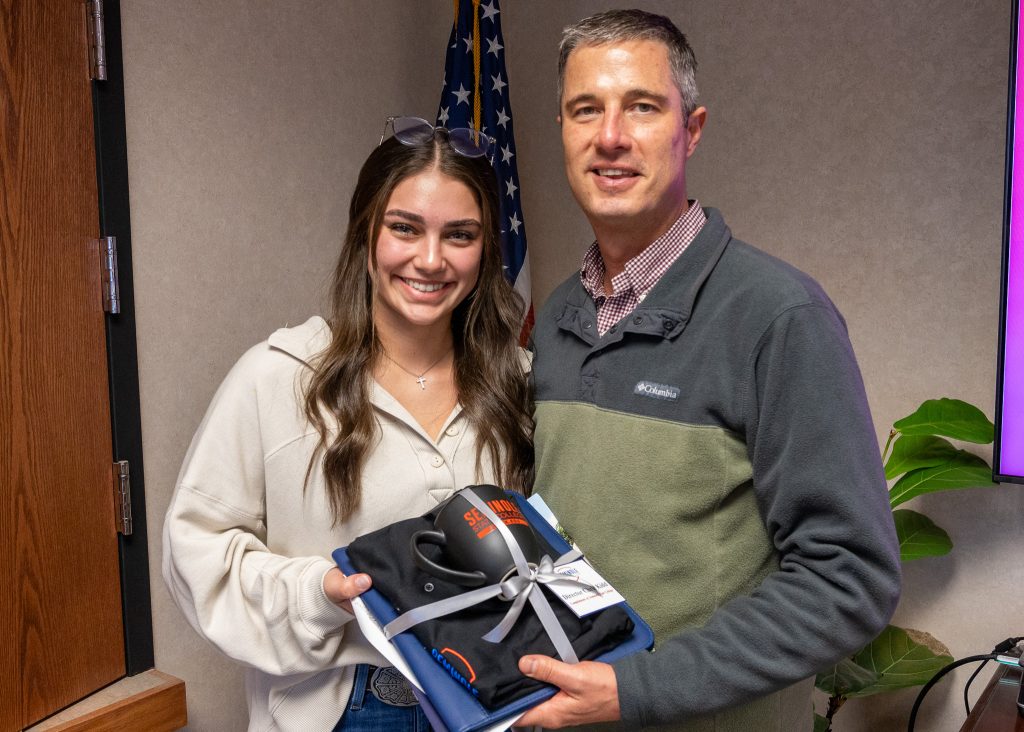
487, 670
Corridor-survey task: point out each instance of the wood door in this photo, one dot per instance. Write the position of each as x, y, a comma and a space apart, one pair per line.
61, 633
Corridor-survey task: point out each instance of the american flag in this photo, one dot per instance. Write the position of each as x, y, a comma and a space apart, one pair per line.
475, 94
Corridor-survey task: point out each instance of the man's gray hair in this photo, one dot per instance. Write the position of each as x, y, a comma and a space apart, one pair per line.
633, 25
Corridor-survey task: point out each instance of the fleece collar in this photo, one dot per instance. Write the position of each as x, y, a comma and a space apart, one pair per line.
665, 312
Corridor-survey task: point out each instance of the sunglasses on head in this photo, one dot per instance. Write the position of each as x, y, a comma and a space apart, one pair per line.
465, 141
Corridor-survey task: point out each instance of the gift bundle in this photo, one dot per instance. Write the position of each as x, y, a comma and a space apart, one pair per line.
466, 590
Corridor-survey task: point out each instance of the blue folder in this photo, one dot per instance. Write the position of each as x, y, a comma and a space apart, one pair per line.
447, 699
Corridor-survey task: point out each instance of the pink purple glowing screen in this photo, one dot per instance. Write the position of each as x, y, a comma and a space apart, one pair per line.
1011, 439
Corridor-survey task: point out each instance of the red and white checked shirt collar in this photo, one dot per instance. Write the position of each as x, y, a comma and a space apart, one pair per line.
641, 273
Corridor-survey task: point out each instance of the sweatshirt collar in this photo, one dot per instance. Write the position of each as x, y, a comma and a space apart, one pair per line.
303, 341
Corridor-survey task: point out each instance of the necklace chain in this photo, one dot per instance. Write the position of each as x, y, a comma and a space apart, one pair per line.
420, 378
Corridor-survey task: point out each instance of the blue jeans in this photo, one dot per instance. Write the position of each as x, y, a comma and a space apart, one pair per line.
367, 713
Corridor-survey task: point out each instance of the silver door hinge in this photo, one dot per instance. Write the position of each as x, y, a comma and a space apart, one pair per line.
122, 498
108, 274
97, 42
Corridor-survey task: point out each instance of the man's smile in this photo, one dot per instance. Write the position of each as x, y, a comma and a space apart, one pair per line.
614, 172
614, 178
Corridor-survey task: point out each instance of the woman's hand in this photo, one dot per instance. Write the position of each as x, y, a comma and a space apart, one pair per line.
341, 588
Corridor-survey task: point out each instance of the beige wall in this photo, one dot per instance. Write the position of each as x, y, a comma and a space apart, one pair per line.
247, 123
862, 142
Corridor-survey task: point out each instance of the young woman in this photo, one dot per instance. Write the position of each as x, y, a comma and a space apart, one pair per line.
412, 389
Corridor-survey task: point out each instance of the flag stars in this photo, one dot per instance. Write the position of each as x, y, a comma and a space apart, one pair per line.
489, 11
499, 83
442, 116
502, 118
506, 153
514, 223
462, 94
493, 46
510, 188
468, 40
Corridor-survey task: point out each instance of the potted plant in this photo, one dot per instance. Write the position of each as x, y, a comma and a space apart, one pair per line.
921, 459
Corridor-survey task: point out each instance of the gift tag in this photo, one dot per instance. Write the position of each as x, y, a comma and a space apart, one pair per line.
581, 599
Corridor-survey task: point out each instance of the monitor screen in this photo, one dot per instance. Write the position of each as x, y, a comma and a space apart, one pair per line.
1008, 452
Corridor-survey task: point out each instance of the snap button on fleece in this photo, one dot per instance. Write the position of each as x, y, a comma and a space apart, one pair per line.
437, 461
587, 325
669, 325
452, 431
638, 320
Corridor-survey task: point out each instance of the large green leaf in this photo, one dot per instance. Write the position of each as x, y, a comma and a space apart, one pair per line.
949, 418
901, 658
919, 536
911, 452
845, 678
821, 724
963, 471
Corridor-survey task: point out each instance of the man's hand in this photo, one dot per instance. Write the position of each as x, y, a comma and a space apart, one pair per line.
589, 693
340, 589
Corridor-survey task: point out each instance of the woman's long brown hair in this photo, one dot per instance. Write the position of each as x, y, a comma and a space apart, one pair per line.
489, 377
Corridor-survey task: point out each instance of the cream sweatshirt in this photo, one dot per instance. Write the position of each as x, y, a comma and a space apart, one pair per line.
246, 547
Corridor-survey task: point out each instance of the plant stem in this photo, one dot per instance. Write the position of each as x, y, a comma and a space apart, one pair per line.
835, 702
885, 452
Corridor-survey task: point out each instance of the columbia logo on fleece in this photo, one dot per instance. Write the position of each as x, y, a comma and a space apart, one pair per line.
656, 391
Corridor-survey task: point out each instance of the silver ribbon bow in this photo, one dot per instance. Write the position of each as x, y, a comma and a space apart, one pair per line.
517, 589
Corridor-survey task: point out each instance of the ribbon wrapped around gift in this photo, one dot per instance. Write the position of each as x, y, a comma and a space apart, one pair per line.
517, 589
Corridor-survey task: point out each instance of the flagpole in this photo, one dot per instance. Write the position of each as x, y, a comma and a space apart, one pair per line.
476, 65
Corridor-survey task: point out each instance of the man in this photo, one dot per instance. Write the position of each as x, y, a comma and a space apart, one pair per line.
702, 429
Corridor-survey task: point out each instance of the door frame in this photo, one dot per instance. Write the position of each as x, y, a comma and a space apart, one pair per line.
122, 354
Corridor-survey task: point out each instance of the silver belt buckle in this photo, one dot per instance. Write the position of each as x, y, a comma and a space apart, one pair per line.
388, 685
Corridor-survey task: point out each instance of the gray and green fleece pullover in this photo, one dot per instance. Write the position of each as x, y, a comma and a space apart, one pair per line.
714, 456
